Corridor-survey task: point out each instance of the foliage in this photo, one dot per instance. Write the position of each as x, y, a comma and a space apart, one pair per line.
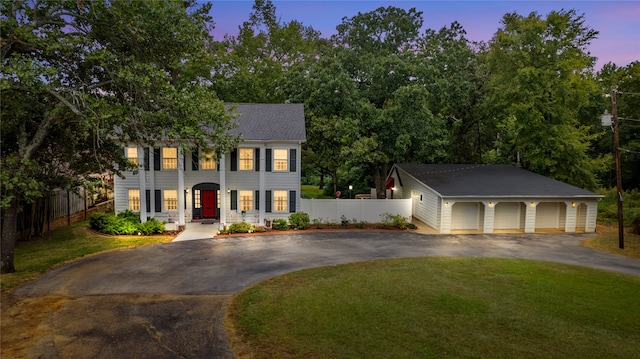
125, 223
240, 227
608, 206
344, 222
458, 308
389, 220
539, 87
299, 220
280, 224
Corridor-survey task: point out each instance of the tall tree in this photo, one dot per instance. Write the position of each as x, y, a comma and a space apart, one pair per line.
251, 66
540, 82
378, 50
79, 78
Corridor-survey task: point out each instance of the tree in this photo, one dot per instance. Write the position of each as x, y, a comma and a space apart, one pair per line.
540, 82
80, 78
251, 66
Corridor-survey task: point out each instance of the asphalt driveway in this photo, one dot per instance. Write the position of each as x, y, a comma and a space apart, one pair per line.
168, 300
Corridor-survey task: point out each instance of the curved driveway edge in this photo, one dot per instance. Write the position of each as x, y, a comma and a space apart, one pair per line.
167, 300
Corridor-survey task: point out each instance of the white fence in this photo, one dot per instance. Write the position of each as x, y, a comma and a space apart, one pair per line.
368, 210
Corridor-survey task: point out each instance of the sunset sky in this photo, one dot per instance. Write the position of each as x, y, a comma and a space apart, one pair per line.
618, 22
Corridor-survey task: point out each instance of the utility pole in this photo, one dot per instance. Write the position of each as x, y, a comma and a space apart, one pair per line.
616, 147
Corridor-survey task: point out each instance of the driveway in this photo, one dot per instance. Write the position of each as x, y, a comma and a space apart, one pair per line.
168, 300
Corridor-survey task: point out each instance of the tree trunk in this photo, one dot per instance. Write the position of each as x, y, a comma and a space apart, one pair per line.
334, 176
321, 184
379, 176
8, 240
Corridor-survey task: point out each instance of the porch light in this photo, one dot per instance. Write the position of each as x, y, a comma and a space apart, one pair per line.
490, 204
446, 204
532, 204
573, 204
186, 190
228, 190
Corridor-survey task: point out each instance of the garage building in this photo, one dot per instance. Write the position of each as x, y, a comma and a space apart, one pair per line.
454, 198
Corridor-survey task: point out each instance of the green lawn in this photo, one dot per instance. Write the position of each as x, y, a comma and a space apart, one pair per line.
64, 244
440, 307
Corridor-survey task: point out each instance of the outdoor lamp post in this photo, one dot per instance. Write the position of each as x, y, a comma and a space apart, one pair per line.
350, 189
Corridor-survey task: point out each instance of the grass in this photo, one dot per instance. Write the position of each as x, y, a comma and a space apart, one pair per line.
312, 191
606, 240
439, 307
64, 244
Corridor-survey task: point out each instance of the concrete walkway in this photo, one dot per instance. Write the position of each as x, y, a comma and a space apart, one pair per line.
168, 300
197, 230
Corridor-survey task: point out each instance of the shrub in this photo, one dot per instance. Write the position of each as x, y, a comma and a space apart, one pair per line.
317, 223
152, 226
129, 216
359, 224
344, 222
280, 224
240, 227
299, 220
101, 220
394, 221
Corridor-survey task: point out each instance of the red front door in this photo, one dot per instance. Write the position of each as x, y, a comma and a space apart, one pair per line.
208, 201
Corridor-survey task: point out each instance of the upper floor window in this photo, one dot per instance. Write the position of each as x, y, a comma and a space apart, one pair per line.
132, 154
245, 156
169, 158
207, 161
280, 159
134, 199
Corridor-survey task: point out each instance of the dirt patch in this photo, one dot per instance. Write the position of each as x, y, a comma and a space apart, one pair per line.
114, 326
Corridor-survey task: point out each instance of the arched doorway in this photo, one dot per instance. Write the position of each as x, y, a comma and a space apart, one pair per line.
205, 201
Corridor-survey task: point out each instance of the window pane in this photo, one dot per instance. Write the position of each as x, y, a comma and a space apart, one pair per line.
196, 198
207, 161
169, 158
280, 201
170, 200
246, 200
134, 199
280, 159
132, 154
245, 156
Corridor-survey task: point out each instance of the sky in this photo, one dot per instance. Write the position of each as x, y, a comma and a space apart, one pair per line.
618, 22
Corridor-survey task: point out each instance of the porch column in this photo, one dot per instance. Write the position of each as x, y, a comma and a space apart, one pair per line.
570, 217
152, 182
592, 212
181, 220
489, 216
223, 192
445, 216
142, 185
262, 192
530, 217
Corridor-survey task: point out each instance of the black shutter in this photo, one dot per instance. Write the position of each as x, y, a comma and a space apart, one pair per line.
146, 160
267, 206
256, 159
292, 160
292, 201
234, 199
158, 201
195, 161
156, 160
267, 163
257, 200
148, 200
234, 160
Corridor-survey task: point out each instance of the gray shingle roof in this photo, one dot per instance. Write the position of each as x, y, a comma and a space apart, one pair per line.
471, 180
269, 122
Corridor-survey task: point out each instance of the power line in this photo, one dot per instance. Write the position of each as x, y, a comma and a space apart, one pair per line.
629, 151
628, 119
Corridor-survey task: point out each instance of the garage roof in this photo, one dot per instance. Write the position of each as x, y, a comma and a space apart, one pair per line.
473, 180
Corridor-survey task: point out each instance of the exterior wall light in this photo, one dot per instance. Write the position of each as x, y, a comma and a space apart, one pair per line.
446, 204
573, 204
532, 204
490, 204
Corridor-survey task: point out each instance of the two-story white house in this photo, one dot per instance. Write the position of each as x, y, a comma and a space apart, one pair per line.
256, 182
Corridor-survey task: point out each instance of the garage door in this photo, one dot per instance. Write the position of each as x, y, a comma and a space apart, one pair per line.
547, 215
465, 215
507, 215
